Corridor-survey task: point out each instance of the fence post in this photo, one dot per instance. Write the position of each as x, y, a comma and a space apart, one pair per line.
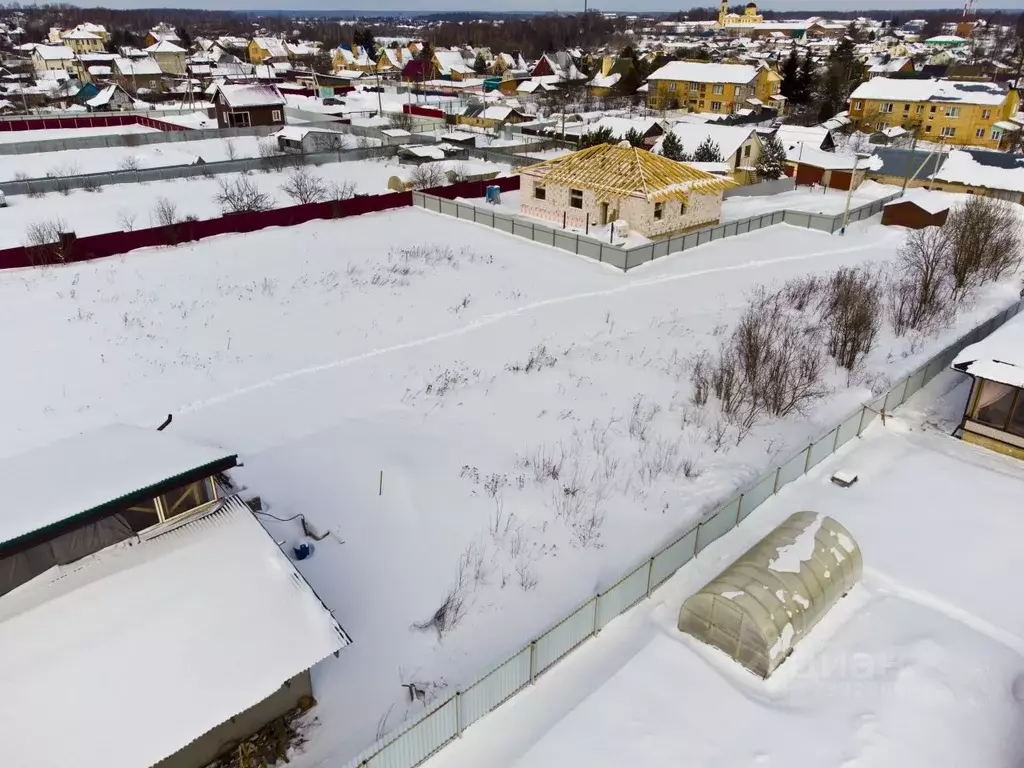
458, 714
775, 485
835, 440
650, 575
860, 427
597, 605
533, 661
807, 461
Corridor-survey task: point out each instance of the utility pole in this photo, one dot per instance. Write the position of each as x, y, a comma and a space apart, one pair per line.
849, 195
913, 147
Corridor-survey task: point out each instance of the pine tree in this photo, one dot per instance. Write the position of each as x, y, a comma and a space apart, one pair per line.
708, 151
804, 82
672, 147
634, 137
790, 76
593, 138
480, 64
771, 164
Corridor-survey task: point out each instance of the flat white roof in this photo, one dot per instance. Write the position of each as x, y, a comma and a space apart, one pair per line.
700, 72
62, 480
952, 91
130, 654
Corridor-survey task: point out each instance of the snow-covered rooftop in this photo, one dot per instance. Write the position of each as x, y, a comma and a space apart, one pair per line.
953, 91
55, 52
699, 72
962, 167
729, 138
249, 95
165, 46
134, 652
997, 357
93, 469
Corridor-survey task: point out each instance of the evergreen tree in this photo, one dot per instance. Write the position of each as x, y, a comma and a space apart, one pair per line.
426, 52
634, 137
708, 151
363, 37
186, 38
804, 82
771, 164
480, 64
322, 61
672, 147
593, 138
790, 76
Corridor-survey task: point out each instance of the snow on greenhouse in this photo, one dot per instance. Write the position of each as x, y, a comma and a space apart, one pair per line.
759, 607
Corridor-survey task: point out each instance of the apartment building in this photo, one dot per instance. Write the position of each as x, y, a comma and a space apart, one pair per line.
960, 112
718, 88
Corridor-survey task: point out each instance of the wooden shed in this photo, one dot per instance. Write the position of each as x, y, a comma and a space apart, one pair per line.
923, 210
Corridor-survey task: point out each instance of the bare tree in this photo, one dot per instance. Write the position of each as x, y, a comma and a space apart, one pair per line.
230, 149
984, 243
341, 191
304, 186
126, 219
242, 196
44, 241
129, 163
273, 158
165, 213
402, 120
427, 176
918, 296
850, 311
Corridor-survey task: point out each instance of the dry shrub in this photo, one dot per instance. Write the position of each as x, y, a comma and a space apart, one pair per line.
427, 176
341, 191
242, 196
771, 365
850, 312
303, 186
129, 163
273, 158
44, 241
165, 213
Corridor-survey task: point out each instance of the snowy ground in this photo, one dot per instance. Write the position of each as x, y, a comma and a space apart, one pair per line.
365, 371
13, 137
92, 213
821, 200
920, 666
75, 162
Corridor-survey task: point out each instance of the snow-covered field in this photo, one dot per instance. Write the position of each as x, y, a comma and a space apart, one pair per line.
820, 200
11, 137
375, 375
920, 666
75, 162
92, 213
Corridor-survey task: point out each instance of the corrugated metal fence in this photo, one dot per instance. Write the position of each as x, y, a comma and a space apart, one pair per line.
446, 720
130, 139
628, 258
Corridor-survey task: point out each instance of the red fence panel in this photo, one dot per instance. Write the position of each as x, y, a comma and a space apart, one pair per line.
412, 109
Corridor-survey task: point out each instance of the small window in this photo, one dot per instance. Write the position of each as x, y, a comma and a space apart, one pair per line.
694, 87
276, 115
672, 87
980, 133
716, 106
682, 209
948, 131
1016, 424
932, 108
539, 193
881, 126
886, 108
858, 105
919, 109
576, 198
659, 211
997, 135
953, 112
181, 500
995, 402
906, 107
927, 129
746, 151
718, 89
142, 515
986, 114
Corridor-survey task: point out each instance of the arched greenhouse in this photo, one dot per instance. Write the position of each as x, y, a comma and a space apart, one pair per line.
763, 604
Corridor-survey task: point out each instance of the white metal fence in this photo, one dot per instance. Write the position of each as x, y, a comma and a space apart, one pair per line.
130, 139
447, 719
628, 258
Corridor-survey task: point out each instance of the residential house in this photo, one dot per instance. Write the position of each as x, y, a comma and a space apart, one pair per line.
138, 74
506, 61
264, 50
450, 65
393, 60
169, 56
816, 136
50, 58
716, 88
531, 87
354, 59
649, 127
961, 113
160, 32
113, 98
490, 117
95, 66
616, 77
243, 105
418, 71
302, 140
883, 65
82, 41
979, 172
141, 538
994, 416
561, 66
739, 145
608, 182
813, 167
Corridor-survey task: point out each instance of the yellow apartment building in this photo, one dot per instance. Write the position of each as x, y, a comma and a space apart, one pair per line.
703, 87
964, 113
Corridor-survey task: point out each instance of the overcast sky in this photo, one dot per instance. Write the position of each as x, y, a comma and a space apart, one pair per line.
845, 6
